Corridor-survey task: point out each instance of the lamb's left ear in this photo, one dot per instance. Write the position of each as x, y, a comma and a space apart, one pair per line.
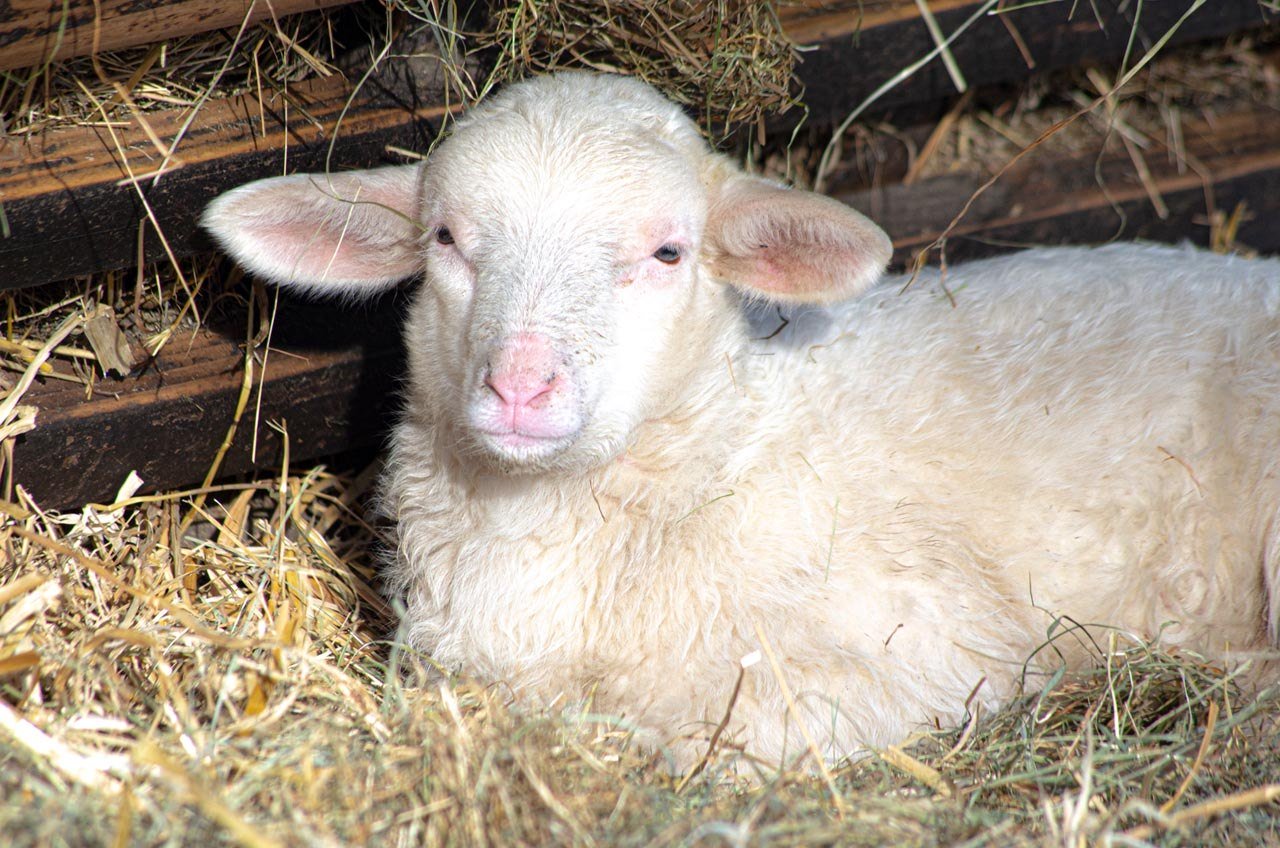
789, 245
347, 233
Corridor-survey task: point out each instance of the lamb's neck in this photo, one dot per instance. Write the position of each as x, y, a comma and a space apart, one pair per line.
680, 457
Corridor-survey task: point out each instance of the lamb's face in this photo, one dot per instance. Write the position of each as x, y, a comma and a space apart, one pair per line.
574, 235
561, 254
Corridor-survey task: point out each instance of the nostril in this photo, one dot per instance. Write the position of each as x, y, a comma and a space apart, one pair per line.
538, 396
493, 387
522, 372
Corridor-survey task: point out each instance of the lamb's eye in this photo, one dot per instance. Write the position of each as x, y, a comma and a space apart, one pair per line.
443, 236
668, 253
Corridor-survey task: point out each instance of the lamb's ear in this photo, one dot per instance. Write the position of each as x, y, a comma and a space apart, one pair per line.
789, 245
347, 233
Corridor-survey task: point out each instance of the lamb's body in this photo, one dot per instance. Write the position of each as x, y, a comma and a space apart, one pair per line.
901, 494
606, 486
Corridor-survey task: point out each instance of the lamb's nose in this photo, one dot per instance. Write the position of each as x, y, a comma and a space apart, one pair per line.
522, 373
520, 388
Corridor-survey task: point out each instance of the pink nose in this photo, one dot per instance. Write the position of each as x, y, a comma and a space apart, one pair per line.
523, 372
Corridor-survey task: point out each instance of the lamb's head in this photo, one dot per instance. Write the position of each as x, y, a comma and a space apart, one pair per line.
574, 234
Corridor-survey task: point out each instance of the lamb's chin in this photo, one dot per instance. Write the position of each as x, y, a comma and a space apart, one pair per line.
569, 457
520, 453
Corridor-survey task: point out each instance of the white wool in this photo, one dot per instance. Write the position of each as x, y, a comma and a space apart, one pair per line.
905, 493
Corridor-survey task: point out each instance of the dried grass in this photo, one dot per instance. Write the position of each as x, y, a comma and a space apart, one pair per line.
180, 74
139, 309
1147, 114
237, 685
728, 60
985, 129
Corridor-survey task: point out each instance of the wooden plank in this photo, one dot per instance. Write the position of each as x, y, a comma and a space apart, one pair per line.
814, 21
1064, 200
70, 213
331, 377
33, 32
860, 51
334, 373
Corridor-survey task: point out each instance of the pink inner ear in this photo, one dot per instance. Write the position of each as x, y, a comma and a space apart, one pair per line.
771, 274
347, 230
780, 274
318, 250
792, 245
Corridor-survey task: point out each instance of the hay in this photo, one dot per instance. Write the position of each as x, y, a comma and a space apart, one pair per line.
1147, 114
985, 128
729, 60
235, 686
139, 311
180, 74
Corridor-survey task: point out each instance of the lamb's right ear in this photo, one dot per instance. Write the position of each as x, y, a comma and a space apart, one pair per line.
347, 233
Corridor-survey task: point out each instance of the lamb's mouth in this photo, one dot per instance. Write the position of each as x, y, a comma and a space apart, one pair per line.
512, 450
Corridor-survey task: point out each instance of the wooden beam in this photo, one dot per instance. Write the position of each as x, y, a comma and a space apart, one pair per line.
73, 209
815, 21
862, 45
333, 374
1043, 199
39, 31
330, 377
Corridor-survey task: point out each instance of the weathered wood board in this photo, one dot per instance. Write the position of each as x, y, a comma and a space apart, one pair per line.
864, 44
330, 377
73, 207
1231, 160
33, 32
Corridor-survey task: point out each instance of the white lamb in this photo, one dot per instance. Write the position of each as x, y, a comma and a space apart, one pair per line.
606, 483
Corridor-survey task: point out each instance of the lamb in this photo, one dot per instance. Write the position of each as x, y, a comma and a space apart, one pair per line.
608, 483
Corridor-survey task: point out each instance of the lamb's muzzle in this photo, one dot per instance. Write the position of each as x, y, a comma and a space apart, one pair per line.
529, 397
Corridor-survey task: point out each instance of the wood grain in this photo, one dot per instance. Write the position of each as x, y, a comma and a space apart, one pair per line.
1079, 199
860, 52
330, 378
33, 32
73, 209
815, 21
